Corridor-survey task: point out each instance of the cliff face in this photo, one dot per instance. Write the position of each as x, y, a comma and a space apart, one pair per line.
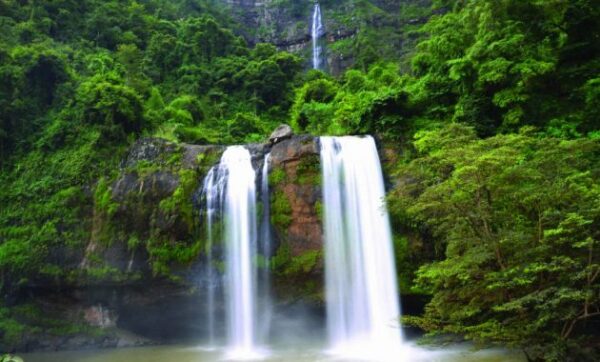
141, 278
295, 180
287, 24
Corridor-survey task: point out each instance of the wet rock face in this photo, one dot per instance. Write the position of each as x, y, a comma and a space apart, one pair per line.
151, 212
287, 25
298, 158
149, 150
295, 180
295, 196
98, 316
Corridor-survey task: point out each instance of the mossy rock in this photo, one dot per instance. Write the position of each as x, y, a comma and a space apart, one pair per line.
281, 211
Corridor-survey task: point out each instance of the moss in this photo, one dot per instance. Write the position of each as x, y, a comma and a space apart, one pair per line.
277, 177
133, 242
104, 210
181, 200
12, 330
24, 321
145, 168
164, 252
103, 198
169, 159
294, 273
281, 258
309, 171
10, 358
207, 159
343, 46
304, 263
319, 209
287, 265
175, 158
104, 273
281, 211
144, 223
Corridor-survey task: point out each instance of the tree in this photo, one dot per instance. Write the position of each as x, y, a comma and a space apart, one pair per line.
105, 100
519, 219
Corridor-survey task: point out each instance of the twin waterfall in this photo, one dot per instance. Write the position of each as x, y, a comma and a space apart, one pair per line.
361, 288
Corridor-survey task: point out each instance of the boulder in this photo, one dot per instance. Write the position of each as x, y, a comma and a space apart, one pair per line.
281, 133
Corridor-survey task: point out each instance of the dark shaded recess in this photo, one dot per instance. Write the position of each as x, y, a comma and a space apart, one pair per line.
163, 317
580, 58
159, 311
43, 79
413, 304
391, 110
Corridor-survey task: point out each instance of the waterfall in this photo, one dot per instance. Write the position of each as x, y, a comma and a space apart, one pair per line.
230, 190
318, 30
360, 276
265, 250
212, 191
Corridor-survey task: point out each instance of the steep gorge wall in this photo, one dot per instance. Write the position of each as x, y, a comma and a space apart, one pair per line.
287, 24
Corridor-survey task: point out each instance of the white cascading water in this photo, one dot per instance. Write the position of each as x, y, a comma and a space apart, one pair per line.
212, 192
265, 245
233, 189
361, 287
317, 32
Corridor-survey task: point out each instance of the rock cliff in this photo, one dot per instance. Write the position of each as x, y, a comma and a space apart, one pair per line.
140, 278
287, 24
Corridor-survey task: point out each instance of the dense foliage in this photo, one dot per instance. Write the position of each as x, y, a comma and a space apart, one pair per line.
81, 80
494, 113
519, 219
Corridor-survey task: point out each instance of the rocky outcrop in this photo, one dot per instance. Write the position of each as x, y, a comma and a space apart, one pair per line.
140, 280
281, 133
295, 181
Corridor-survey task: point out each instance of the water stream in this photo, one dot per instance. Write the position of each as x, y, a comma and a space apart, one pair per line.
232, 189
265, 253
361, 287
212, 192
317, 31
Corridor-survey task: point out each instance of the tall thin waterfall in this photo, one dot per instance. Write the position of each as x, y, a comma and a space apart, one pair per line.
361, 287
212, 192
318, 30
232, 189
265, 250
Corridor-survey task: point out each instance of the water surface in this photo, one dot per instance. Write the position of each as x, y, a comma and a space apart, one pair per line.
297, 354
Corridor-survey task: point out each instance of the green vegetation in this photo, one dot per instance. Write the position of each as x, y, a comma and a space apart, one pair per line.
308, 171
492, 104
295, 273
10, 358
180, 200
281, 211
518, 217
80, 81
277, 177
31, 319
